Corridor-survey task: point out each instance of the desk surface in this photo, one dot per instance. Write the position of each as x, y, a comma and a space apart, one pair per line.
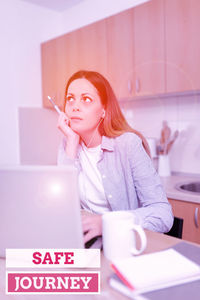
156, 242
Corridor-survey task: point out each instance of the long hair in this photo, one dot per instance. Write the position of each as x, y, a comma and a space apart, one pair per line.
114, 123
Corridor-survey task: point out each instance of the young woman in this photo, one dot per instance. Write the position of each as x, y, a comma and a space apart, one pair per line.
115, 168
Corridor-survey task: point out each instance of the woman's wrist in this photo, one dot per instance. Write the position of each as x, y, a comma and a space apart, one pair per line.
72, 147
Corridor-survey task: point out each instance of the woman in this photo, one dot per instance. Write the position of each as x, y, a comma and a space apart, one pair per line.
115, 168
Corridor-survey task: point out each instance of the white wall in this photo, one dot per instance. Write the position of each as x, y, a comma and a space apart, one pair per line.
89, 11
182, 114
22, 28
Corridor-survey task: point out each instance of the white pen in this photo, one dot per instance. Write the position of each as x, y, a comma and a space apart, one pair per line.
54, 105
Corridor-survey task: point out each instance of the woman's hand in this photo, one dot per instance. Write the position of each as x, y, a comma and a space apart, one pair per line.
64, 126
72, 137
92, 225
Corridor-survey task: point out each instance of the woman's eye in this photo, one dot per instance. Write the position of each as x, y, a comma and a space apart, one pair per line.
70, 99
87, 99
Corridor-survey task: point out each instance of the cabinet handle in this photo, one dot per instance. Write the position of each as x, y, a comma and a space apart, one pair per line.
137, 85
129, 86
196, 217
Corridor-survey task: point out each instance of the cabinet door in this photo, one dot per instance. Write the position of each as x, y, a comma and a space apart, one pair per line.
149, 48
81, 49
56, 68
92, 49
190, 213
182, 44
49, 70
119, 30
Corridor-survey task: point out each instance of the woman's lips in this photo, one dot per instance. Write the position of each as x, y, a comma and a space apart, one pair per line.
75, 119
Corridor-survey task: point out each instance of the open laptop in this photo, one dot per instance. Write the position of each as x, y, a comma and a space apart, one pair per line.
39, 208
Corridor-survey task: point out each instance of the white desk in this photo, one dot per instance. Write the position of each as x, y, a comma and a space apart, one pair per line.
155, 242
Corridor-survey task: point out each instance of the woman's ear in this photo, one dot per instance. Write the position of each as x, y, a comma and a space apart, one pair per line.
104, 113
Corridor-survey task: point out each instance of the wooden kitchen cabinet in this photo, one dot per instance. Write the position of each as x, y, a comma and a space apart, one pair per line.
49, 70
182, 23
119, 31
56, 68
136, 53
92, 47
149, 48
190, 213
84, 48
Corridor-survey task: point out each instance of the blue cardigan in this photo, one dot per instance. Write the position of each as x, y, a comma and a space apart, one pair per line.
130, 180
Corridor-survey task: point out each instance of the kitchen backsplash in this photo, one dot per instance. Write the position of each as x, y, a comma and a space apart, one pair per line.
182, 112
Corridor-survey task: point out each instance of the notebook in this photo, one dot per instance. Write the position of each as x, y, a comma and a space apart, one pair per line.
39, 208
173, 270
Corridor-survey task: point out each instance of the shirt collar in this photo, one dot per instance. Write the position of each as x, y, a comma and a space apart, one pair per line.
107, 143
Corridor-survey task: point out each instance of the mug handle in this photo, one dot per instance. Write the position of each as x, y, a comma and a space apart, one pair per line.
143, 239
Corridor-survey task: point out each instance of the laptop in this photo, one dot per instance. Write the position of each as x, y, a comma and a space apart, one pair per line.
39, 208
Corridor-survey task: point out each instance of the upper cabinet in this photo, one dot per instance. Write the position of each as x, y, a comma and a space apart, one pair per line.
119, 30
56, 66
49, 70
84, 48
149, 48
182, 22
92, 47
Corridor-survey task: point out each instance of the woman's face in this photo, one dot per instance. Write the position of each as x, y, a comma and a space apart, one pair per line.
83, 106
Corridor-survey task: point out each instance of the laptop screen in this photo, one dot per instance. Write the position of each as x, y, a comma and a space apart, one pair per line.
39, 208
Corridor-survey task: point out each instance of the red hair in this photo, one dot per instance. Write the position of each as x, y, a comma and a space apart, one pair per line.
114, 122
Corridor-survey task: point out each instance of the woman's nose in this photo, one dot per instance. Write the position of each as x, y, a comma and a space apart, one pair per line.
75, 109
76, 106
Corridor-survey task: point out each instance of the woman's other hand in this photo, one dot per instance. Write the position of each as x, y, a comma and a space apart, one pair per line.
72, 137
92, 225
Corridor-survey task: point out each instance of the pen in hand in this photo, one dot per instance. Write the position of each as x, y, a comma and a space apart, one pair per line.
54, 105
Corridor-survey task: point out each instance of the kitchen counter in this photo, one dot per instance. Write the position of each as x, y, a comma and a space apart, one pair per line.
170, 182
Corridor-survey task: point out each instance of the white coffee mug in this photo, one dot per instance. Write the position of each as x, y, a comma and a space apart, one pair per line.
118, 232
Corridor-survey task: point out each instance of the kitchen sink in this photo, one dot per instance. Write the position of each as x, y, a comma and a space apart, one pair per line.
193, 187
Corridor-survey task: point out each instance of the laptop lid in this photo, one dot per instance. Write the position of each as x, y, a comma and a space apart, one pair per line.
39, 208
